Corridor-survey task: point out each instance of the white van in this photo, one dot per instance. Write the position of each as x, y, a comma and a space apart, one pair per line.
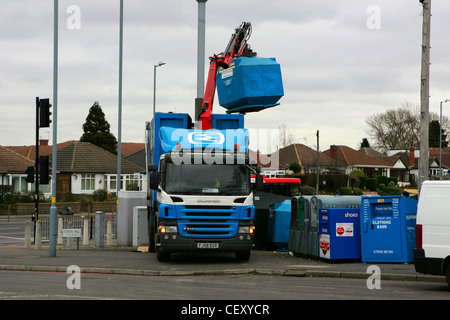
432, 252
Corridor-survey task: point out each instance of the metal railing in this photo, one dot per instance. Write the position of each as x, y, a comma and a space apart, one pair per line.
77, 223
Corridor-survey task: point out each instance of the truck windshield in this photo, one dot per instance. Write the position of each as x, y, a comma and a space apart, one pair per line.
204, 179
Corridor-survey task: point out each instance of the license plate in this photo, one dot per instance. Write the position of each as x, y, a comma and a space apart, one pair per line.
207, 245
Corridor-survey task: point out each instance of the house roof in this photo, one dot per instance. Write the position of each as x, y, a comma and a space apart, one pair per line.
130, 148
85, 157
12, 162
126, 148
138, 158
431, 161
44, 149
352, 157
305, 156
445, 156
265, 161
390, 160
373, 153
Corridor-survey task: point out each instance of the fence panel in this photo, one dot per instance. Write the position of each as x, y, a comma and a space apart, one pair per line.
77, 223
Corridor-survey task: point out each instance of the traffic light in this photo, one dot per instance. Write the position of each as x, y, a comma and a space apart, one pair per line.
30, 174
44, 174
44, 113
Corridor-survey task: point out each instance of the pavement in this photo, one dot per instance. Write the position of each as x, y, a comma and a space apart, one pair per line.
116, 259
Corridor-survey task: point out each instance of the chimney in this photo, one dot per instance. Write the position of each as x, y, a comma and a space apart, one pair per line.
43, 142
411, 154
333, 151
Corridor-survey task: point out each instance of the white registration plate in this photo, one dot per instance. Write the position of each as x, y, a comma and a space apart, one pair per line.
207, 245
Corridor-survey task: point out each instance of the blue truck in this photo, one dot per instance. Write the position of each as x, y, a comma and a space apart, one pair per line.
200, 174
201, 196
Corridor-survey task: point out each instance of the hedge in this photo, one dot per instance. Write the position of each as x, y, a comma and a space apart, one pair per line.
345, 191
372, 184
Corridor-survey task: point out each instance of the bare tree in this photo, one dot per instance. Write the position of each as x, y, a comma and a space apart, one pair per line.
285, 138
396, 128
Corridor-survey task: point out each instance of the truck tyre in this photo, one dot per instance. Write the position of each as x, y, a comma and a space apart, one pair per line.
447, 274
151, 232
162, 256
243, 255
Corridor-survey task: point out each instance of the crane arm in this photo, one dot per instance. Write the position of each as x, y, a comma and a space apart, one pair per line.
235, 48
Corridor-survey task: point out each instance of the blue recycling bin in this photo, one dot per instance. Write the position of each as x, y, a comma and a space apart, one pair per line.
388, 229
324, 202
339, 234
250, 85
278, 224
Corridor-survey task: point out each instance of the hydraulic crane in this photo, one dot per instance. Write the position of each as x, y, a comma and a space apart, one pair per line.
237, 46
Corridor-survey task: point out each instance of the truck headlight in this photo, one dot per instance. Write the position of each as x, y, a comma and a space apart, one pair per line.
168, 229
249, 229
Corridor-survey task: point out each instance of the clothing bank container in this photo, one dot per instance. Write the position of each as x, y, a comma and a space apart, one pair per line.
304, 236
388, 229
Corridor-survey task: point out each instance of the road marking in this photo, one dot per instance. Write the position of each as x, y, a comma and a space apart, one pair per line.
306, 266
12, 238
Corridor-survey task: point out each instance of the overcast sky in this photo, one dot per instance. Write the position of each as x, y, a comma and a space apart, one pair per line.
341, 61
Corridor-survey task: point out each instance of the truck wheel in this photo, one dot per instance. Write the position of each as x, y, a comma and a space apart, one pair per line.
162, 256
447, 274
151, 233
243, 255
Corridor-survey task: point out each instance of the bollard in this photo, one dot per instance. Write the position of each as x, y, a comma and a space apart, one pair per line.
69, 240
100, 229
37, 236
109, 233
60, 226
27, 234
86, 232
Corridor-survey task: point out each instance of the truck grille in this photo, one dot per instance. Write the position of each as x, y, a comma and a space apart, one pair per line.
207, 229
208, 221
208, 214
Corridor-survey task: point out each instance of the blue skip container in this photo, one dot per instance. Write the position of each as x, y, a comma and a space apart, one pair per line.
250, 85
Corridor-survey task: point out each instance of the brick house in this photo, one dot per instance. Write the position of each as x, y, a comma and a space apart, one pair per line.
12, 169
353, 159
83, 168
400, 164
307, 158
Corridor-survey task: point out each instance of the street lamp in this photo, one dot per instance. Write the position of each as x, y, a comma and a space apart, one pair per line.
440, 139
154, 84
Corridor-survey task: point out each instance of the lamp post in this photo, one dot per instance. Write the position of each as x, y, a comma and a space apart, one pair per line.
154, 84
53, 209
200, 56
440, 138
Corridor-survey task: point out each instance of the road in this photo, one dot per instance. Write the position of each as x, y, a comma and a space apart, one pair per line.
12, 233
48, 285
20, 285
